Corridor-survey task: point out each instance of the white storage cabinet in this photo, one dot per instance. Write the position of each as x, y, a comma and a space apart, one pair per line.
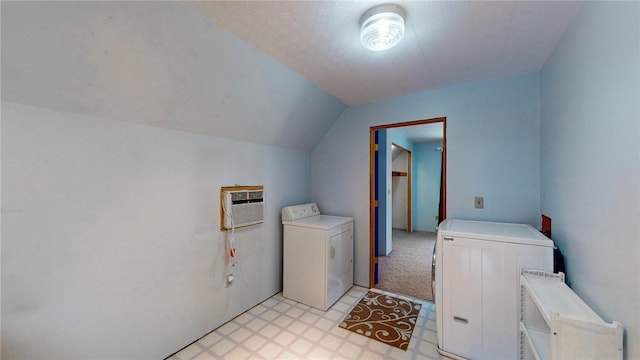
557, 324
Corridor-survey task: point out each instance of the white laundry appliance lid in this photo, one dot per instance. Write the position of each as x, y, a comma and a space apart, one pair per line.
494, 231
322, 222
308, 215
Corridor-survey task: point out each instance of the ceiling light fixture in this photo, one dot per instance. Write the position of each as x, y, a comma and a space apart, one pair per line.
382, 27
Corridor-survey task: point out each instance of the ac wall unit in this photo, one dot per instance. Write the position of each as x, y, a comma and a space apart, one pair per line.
241, 206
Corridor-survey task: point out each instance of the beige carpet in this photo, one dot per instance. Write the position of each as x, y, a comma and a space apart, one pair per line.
384, 318
407, 270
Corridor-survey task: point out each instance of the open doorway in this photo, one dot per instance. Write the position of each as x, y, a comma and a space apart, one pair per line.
425, 143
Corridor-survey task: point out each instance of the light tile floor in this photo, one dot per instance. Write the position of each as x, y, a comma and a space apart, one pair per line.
279, 328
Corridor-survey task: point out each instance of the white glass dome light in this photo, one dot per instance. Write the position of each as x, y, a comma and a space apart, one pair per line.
382, 27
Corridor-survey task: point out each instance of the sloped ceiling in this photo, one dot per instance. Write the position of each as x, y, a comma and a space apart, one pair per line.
160, 64
270, 72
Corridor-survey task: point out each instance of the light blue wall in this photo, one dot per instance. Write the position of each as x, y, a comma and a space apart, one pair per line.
428, 163
590, 159
111, 241
112, 249
396, 137
493, 150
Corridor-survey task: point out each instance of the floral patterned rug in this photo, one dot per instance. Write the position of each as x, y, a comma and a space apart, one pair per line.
384, 318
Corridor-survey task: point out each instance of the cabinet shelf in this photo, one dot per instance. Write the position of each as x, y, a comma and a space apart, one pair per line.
552, 294
538, 341
557, 324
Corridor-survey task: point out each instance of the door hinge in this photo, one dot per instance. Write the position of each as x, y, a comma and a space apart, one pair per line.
375, 147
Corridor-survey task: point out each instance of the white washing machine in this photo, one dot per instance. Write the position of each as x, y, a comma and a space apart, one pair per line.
317, 256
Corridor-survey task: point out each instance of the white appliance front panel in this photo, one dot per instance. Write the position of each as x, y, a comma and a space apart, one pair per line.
477, 291
317, 260
339, 265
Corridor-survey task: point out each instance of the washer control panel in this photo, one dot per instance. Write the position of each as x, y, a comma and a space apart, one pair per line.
295, 212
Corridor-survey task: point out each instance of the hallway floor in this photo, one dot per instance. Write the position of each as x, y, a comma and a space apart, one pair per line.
407, 269
279, 328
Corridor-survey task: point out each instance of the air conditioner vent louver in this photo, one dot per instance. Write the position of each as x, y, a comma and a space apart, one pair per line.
238, 195
255, 195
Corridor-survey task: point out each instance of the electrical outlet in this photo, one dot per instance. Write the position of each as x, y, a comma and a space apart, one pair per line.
479, 202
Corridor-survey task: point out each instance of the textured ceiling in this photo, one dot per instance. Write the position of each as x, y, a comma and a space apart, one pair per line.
446, 42
269, 72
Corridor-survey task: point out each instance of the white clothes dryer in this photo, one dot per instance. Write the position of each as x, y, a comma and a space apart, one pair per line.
477, 285
317, 256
